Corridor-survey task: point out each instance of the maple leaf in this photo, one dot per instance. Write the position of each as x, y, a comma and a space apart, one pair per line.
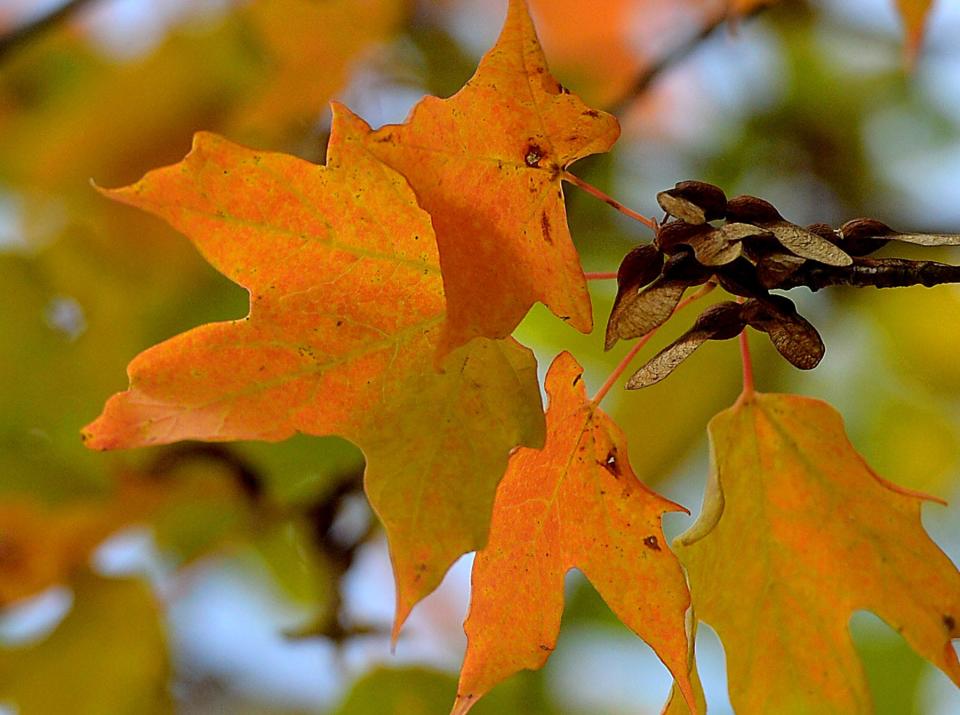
797, 533
346, 307
575, 503
487, 165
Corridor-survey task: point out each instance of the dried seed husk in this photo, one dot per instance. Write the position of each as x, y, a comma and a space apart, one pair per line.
639, 312
718, 322
723, 245
773, 265
751, 209
791, 334
674, 237
695, 202
867, 235
807, 244
639, 267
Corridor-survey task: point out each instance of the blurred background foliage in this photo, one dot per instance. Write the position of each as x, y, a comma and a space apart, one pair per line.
251, 578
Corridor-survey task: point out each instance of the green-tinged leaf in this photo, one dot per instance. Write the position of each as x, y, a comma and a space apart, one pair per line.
107, 656
796, 534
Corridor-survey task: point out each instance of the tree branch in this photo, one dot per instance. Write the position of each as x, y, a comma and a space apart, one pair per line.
24, 33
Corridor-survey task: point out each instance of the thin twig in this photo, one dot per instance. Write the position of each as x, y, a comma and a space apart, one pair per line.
628, 358
610, 201
39, 25
685, 48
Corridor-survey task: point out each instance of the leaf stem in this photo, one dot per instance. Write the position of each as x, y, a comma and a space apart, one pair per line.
600, 276
747, 393
628, 358
597, 193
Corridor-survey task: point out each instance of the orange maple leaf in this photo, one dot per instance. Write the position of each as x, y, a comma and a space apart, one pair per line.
797, 533
346, 307
575, 503
487, 165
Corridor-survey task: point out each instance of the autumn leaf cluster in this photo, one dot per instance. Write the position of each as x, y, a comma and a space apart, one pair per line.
385, 286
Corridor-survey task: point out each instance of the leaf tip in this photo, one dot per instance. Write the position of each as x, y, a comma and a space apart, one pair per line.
463, 704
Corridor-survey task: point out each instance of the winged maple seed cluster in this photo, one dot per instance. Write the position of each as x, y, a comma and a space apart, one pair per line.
752, 251
384, 287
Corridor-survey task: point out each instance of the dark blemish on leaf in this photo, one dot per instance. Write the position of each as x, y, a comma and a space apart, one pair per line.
546, 648
545, 227
384, 139
577, 378
541, 70
611, 464
651, 543
564, 317
339, 323
950, 622
592, 113
563, 90
533, 155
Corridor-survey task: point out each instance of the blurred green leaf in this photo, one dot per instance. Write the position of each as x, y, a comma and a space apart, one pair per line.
108, 656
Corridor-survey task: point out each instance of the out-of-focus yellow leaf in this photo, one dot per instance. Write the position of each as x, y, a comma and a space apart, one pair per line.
922, 332
108, 656
917, 442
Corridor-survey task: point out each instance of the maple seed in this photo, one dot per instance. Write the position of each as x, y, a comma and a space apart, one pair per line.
756, 250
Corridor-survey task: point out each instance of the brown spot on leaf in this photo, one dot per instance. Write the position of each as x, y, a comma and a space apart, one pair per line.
611, 464
651, 543
545, 227
950, 622
592, 113
533, 155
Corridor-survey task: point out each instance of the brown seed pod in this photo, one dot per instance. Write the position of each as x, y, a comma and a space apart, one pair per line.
694, 202
718, 322
793, 337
